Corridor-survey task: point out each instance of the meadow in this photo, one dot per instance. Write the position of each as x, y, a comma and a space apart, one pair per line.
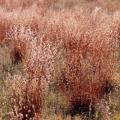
59, 60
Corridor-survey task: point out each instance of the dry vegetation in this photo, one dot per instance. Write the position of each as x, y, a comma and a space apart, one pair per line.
59, 60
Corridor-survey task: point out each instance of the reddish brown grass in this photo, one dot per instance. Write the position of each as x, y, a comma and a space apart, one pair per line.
76, 48
26, 97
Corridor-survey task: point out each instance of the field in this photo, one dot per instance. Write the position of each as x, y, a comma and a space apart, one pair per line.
59, 60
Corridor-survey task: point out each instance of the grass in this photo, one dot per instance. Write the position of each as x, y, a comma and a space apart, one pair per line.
56, 55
